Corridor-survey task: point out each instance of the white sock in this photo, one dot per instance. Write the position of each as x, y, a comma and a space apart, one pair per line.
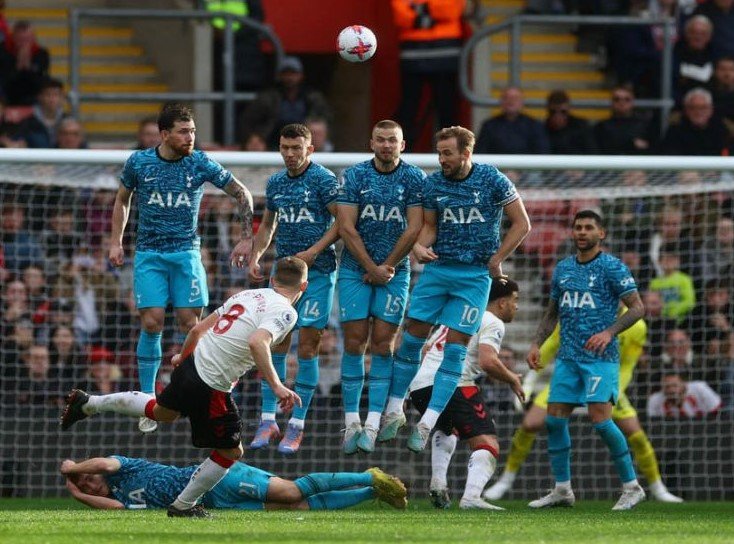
373, 419
394, 404
507, 477
202, 480
129, 403
658, 487
351, 417
265, 416
430, 417
632, 484
297, 422
563, 486
482, 465
442, 448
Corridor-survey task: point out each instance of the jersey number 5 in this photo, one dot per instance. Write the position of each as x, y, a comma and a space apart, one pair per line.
225, 322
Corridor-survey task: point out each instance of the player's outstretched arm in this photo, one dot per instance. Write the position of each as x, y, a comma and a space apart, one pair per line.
329, 237
519, 229
490, 362
635, 311
346, 217
263, 238
545, 329
120, 215
259, 342
414, 215
427, 237
241, 252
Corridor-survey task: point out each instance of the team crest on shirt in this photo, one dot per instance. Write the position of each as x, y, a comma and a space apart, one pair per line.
592, 279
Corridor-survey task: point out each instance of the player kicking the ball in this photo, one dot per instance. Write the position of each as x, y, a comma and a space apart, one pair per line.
215, 354
117, 482
465, 413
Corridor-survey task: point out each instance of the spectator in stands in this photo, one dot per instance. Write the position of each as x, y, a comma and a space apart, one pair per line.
721, 15
430, 33
681, 399
290, 101
20, 248
70, 134
39, 130
699, 132
630, 255
61, 239
710, 324
511, 131
36, 385
677, 352
38, 301
693, 56
254, 142
68, 365
26, 67
148, 133
722, 89
15, 306
103, 375
624, 133
670, 231
99, 216
15, 343
320, 134
718, 253
679, 295
568, 134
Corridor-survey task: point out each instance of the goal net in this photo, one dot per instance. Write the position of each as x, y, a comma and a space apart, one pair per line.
69, 320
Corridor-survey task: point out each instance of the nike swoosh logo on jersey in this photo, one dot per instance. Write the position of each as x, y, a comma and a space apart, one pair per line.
151, 179
441, 198
365, 191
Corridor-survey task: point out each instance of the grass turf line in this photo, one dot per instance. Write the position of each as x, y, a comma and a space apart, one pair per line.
61, 521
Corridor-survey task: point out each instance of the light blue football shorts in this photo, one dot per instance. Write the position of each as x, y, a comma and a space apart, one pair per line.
359, 300
454, 295
584, 382
314, 306
178, 278
243, 488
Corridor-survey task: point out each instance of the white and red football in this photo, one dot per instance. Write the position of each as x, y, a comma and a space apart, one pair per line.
356, 43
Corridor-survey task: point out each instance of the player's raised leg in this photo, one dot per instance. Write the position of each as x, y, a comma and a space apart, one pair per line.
268, 430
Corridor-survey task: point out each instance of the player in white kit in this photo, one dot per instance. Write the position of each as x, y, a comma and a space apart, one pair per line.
465, 416
216, 353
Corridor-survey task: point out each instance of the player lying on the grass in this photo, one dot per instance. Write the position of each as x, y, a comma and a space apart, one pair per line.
215, 354
465, 413
631, 343
117, 482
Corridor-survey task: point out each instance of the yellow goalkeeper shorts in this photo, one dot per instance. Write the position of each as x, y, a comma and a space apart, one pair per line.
622, 410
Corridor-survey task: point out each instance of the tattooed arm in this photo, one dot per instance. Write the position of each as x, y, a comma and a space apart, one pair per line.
545, 329
241, 252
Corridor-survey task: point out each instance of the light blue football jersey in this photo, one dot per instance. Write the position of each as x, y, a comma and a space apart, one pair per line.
169, 194
588, 295
468, 213
300, 203
382, 200
144, 484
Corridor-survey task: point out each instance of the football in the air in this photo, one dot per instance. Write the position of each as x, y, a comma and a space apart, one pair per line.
356, 43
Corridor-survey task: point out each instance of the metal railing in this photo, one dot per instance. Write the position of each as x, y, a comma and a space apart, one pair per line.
515, 25
228, 95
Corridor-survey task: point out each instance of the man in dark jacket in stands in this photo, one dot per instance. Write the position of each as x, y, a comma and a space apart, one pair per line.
699, 132
623, 133
568, 134
512, 131
39, 130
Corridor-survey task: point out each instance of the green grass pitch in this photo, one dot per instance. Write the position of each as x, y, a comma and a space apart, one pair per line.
61, 521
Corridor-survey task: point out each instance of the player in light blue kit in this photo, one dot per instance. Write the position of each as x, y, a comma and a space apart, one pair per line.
380, 216
586, 290
301, 206
460, 241
117, 482
169, 180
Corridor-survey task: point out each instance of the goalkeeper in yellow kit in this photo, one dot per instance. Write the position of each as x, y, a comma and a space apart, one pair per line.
631, 343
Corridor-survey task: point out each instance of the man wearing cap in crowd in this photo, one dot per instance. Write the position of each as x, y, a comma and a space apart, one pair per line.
289, 101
